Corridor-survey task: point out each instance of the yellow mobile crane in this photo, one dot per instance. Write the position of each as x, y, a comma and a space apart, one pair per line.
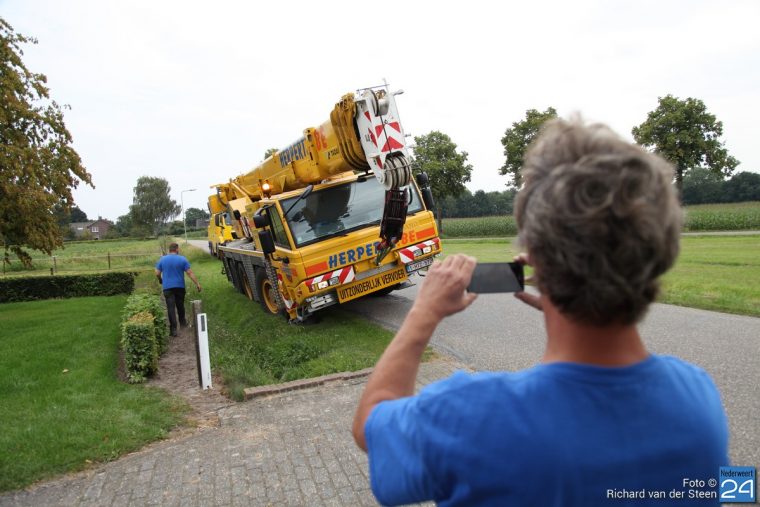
334, 216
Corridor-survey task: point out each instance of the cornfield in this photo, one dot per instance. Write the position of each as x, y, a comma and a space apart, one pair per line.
704, 217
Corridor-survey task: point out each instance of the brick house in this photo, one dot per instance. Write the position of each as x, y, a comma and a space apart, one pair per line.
96, 229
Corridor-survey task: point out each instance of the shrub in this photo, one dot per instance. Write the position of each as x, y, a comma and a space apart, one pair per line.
137, 303
138, 341
48, 287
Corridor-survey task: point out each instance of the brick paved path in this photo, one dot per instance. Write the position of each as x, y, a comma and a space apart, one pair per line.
294, 448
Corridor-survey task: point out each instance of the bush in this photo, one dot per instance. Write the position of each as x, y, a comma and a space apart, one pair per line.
48, 287
138, 341
137, 303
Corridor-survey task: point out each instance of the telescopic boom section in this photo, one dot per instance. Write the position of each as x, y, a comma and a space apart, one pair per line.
363, 134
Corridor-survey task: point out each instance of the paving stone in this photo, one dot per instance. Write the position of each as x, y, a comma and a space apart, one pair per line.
286, 449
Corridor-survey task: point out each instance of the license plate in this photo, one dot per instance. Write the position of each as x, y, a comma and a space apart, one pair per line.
377, 282
414, 266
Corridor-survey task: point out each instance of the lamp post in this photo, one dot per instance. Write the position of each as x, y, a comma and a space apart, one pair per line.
182, 200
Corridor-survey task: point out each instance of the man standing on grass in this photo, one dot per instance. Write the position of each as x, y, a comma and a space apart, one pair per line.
600, 420
170, 270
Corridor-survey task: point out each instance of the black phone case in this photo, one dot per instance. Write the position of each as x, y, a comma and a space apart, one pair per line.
496, 277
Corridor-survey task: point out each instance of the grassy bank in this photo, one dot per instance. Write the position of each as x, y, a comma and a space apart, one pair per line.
720, 273
252, 348
62, 403
703, 217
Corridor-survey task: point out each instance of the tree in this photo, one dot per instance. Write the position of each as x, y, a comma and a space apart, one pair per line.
193, 214
435, 153
517, 139
701, 185
683, 132
151, 204
743, 186
269, 153
38, 166
77, 215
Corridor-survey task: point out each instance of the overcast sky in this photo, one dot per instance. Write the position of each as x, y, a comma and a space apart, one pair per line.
195, 92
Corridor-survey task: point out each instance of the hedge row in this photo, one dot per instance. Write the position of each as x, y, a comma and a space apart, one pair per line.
137, 303
144, 335
48, 287
138, 340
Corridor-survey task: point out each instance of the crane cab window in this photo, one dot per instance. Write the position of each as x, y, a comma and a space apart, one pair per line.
338, 210
278, 230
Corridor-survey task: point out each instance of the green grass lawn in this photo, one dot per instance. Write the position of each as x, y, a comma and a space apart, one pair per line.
720, 273
251, 348
92, 256
62, 403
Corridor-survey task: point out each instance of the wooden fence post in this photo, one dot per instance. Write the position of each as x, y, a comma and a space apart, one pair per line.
109, 260
55, 265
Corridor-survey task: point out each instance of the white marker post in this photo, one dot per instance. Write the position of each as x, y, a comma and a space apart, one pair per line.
205, 360
201, 345
203, 356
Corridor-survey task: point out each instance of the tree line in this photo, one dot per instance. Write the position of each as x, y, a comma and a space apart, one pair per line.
680, 130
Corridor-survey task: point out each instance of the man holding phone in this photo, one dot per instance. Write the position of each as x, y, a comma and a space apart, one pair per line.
600, 419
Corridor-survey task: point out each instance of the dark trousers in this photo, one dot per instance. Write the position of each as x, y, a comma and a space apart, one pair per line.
175, 298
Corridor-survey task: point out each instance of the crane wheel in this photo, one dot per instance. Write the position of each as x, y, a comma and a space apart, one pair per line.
245, 285
266, 292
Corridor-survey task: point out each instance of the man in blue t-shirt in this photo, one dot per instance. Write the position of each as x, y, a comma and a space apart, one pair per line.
600, 420
170, 271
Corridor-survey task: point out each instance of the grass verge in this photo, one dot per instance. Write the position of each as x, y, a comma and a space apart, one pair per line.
251, 348
62, 403
720, 273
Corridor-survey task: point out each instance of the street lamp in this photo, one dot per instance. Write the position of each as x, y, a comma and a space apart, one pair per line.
182, 200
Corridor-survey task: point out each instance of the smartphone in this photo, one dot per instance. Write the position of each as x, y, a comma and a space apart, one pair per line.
492, 277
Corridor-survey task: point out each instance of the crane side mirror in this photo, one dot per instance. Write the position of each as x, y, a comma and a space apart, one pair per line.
261, 220
427, 195
267, 242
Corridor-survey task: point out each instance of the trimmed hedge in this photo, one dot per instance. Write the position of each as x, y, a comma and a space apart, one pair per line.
137, 303
48, 287
138, 340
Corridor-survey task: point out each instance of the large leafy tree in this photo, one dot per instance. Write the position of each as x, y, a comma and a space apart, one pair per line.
269, 153
518, 137
77, 215
436, 154
683, 132
151, 204
193, 214
701, 185
743, 186
38, 166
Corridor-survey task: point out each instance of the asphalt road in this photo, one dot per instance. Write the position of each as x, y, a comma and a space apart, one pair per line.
498, 332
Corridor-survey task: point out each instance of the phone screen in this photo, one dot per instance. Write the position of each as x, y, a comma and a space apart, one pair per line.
497, 277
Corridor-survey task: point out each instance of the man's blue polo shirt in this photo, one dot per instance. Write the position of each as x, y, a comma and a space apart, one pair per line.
172, 268
556, 434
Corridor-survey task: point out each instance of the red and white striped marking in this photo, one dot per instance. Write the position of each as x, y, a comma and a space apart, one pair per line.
288, 303
410, 253
344, 275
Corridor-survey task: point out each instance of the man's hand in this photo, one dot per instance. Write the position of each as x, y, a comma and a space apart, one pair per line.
443, 292
528, 299
198, 286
